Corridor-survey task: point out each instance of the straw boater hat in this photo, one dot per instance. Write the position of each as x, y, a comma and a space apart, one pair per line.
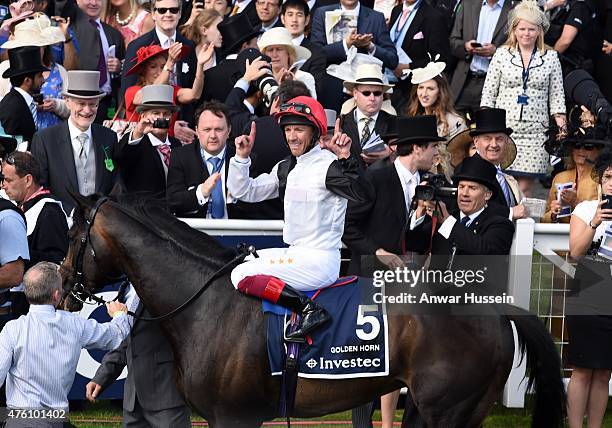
486, 121
83, 84
157, 96
24, 60
280, 36
36, 31
367, 74
145, 53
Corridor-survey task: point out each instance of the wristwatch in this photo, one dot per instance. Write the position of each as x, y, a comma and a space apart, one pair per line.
169, 70
591, 225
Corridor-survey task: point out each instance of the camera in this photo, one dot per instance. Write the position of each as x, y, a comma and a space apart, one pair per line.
38, 98
267, 84
436, 188
161, 123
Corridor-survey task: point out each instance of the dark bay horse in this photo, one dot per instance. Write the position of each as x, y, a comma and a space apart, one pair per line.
454, 367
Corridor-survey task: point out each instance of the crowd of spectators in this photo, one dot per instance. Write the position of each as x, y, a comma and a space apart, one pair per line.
150, 97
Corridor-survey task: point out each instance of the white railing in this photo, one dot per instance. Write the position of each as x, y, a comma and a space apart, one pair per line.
546, 239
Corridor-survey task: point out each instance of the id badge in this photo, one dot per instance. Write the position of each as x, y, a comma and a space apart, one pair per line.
522, 99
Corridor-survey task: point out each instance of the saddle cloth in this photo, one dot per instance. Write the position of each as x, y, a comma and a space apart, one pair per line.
353, 344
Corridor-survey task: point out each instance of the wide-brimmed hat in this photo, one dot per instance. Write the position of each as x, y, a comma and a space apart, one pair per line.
490, 121
83, 84
367, 74
145, 53
24, 60
157, 96
459, 145
35, 31
479, 170
280, 36
417, 129
236, 30
431, 70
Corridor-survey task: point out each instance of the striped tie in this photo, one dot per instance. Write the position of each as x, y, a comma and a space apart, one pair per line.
164, 149
505, 188
34, 113
365, 133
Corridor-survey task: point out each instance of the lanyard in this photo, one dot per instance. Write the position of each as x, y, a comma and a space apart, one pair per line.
398, 30
525, 74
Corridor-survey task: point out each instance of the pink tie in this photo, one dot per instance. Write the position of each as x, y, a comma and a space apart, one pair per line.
403, 18
165, 151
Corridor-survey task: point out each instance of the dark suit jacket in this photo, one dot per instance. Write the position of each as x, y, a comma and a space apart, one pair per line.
140, 166
349, 127
16, 117
316, 64
88, 38
369, 21
218, 80
380, 221
149, 358
53, 149
465, 29
240, 115
187, 171
186, 68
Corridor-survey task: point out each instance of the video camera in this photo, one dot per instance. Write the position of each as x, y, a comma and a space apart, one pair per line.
436, 188
266, 83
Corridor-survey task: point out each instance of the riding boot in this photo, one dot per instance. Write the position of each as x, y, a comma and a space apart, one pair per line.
276, 291
312, 314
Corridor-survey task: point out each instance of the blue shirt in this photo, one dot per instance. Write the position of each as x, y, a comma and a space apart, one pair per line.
487, 21
13, 239
39, 353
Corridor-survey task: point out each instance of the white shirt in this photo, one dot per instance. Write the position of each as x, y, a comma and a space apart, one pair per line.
297, 41
408, 180
447, 226
27, 97
39, 353
164, 41
311, 4
360, 125
76, 144
204, 199
487, 21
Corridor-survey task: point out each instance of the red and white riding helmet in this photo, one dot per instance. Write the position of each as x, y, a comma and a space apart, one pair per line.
303, 111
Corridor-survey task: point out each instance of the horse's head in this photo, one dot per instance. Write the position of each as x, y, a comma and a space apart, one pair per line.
89, 263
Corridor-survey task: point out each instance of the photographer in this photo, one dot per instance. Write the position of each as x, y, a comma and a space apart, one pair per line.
143, 155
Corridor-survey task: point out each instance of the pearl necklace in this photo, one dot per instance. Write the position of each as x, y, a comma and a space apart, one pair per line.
123, 22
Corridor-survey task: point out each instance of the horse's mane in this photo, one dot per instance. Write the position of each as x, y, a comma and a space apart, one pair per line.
155, 216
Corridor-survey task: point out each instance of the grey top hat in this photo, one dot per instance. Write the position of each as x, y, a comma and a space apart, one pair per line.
157, 96
83, 84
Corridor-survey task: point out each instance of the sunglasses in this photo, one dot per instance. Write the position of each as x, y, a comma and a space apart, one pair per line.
368, 93
163, 10
586, 146
300, 108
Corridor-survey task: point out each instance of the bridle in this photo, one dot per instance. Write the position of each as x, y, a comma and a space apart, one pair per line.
80, 293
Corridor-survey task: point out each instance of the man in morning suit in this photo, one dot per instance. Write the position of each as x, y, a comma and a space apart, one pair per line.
367, 117
101, 46
198, 171
377, 227
18, 108
77, 155
143, 155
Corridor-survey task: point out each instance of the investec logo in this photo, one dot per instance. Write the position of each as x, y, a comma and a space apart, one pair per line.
343, 363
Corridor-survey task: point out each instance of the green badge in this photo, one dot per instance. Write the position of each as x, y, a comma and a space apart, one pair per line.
108, 163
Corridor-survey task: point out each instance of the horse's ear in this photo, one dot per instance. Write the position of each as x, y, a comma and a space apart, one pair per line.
82, 208
117, 191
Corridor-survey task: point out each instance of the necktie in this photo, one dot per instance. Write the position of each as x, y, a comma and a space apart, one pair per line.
34, 113
83, 150
505, 188
235, 10
164, 149
465, 220
101, 59
410, 190
216, 197
403, 19
365, 132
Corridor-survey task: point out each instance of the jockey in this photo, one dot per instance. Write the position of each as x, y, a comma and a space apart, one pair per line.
315, 183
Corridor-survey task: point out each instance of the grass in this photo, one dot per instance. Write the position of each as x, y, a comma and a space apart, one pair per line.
500, 417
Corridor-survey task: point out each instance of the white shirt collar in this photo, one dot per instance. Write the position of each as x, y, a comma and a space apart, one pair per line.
359, 115
499, 3
75, 132
163, 38
207, 155
472, 216
49, 309
405, 172
297, 41
249, 106
27, 97
355, 11
156, 141
268, 27
311, 4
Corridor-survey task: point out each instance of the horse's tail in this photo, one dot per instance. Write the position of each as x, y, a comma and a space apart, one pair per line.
543, 366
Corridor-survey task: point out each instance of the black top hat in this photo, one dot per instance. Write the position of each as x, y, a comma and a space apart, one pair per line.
236, 30
479, 170
489, 121
417, 129
7, 145
391, 131
24, 60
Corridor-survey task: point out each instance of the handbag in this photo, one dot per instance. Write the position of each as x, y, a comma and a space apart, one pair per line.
121, 126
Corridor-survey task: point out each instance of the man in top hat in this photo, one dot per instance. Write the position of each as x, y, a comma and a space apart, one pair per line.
376, 228
166, 14
238, 35
77, 155
18, 107
101, 46
491, 137
143, 155
367, 117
